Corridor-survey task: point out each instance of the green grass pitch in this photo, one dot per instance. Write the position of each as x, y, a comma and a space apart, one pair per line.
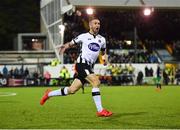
133, 107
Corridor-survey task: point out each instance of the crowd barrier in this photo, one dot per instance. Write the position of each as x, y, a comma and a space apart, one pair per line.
109, 80
15, 82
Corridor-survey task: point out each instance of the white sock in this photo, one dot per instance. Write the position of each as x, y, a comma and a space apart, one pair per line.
59, 92
97, 98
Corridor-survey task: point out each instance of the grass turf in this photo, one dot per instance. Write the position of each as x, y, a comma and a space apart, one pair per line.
133, 107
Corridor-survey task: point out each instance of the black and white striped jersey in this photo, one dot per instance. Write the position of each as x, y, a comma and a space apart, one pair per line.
90, 46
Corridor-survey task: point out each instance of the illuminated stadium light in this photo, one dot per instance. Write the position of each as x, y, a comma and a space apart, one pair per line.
34, 40
147, 11
129, 42
89, 11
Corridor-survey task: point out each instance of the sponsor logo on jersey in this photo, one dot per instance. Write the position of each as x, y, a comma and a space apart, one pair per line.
94, 47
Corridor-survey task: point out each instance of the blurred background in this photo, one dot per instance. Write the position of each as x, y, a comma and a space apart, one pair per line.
141, 35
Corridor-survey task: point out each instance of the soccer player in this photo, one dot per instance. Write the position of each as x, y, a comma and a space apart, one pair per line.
92, 44
158, 78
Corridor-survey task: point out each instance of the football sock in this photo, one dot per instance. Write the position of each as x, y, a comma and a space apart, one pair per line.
160, 86
97, 98
59, 92
157, 86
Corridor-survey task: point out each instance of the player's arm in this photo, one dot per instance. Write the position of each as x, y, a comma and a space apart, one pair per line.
65, 46
104, 53
70, 44
104, 56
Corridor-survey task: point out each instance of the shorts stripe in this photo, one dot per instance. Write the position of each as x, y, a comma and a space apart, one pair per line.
87, 71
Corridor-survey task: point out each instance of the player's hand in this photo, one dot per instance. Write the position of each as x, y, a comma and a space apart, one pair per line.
105, 63
62, 49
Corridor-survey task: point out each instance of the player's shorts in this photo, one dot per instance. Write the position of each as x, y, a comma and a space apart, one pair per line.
82, 70
158, 80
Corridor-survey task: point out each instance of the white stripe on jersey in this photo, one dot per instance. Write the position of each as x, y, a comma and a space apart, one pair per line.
91, 46
87, 71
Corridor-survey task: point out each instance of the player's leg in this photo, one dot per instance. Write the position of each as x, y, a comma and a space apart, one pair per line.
95, 82
75, 86
83, 89
158, 84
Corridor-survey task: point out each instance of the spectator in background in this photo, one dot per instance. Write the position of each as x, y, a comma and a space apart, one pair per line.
47, 77
26, 73
131, 69
5, 71
21, 72
65, 75
177, 76
140, 78
55, 62
151, 72
3, 80
158, 78
165, 77
153, 59
35, 77
146, 72
16, 73
11, 72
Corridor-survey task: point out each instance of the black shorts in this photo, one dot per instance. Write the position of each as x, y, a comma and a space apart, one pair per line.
82, 70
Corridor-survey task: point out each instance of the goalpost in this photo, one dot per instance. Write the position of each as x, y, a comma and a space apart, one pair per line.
52, 12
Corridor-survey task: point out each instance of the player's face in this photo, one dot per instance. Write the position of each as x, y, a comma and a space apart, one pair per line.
94, 26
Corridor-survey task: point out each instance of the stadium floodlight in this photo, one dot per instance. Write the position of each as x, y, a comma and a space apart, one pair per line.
89, 11
147, 11
61, 28
129, 42
34, 40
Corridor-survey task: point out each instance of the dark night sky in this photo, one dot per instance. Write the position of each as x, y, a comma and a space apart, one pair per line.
18, 16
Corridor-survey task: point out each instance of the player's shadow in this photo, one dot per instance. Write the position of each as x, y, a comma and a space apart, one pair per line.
120, 115
129, 114
114, 119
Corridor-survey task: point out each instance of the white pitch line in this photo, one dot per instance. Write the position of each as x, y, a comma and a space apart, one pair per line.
6, 94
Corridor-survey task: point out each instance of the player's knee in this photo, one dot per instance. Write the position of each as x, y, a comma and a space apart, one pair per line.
96, 83
72, 91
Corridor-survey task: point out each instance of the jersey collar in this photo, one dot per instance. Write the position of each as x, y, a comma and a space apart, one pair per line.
94, 35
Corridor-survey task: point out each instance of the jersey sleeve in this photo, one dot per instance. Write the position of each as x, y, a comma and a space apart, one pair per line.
77, 40
103, 48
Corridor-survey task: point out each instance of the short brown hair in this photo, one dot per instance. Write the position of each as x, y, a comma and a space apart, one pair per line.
92, 18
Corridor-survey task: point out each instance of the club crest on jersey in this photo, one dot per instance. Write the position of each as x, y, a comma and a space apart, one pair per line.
94, 47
